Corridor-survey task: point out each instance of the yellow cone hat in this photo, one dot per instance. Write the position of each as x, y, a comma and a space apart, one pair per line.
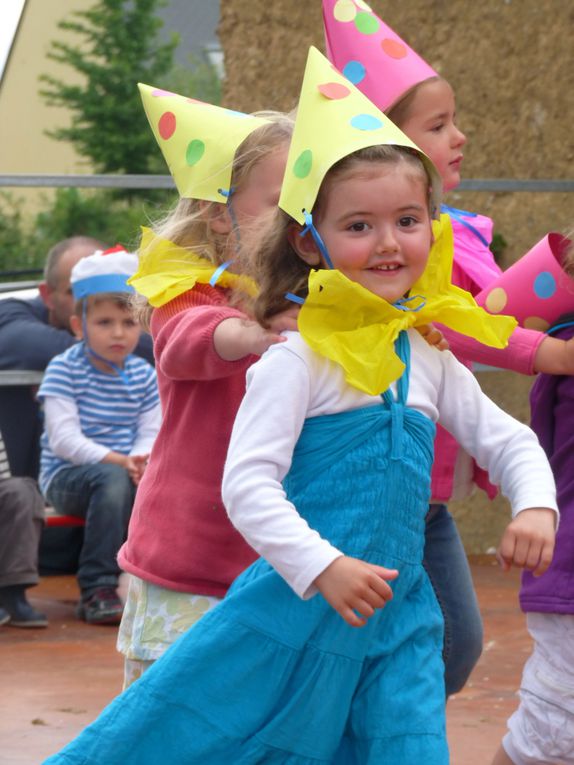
334, 119
198, 141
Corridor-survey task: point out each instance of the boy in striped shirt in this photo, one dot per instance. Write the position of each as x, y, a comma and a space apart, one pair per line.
102, 414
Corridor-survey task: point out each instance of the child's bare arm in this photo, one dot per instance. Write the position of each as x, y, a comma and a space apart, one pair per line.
235, 338
555, 356
353, 587
528, 541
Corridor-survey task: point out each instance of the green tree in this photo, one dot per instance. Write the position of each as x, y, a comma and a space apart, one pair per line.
119, 48
199, 79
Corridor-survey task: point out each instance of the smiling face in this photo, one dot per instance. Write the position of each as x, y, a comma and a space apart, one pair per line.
112, 332
376, 226
430, 121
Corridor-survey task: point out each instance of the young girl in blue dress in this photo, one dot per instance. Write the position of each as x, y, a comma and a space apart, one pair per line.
328, 648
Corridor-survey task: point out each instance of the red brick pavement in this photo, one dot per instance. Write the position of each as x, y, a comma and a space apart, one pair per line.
55, 681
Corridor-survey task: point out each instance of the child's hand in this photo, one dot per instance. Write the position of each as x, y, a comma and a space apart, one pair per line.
133, 463
136, 464
528, 541
286, 320
350, 585
236, 338
433, 336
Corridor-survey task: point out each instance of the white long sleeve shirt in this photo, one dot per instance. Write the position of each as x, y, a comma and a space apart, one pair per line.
291, 382
62, 424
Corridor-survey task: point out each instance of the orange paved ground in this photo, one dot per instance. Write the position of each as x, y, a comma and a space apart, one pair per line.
54, 681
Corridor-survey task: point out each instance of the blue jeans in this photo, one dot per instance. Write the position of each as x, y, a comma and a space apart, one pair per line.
447, 566
102, 494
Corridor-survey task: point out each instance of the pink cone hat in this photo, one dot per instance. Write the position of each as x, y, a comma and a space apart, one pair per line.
535, 289
370, 54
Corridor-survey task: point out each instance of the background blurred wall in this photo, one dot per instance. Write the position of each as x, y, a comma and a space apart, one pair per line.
25, 116
511, 63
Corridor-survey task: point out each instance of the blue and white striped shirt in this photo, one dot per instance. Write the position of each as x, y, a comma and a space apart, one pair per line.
109, 406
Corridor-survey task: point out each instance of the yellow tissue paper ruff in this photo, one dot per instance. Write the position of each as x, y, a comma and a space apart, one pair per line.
167, 270
348, 324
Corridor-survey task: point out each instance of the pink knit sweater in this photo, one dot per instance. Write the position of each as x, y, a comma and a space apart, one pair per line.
179, 535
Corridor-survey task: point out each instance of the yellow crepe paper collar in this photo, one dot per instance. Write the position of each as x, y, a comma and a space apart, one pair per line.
348, 324
167, 270
198, 140
334, 119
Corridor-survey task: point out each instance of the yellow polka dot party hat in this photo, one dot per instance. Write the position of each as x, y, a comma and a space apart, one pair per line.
340, 319
198, 141
334, 119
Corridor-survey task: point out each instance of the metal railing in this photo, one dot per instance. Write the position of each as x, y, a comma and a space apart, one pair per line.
166, 182
89, 181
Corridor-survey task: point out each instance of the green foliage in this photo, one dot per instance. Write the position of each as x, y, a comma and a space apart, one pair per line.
497, 247
115, 46
94, 213
198, 80
15, 241
72, 212
119, 49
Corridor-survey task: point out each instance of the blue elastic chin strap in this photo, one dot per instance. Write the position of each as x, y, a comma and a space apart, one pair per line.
460, 216
235, 228
227, 193
310, 226
403, 303
557, 327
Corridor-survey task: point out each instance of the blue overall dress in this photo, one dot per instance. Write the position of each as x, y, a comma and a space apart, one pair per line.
266, 678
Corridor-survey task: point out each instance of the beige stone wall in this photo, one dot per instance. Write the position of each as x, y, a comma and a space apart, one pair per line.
511, 63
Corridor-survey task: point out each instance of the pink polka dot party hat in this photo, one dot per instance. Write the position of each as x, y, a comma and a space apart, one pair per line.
535, 289
370, 54
198, 141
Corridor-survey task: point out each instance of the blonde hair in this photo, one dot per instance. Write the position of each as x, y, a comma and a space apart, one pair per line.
278, 267
189, 223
